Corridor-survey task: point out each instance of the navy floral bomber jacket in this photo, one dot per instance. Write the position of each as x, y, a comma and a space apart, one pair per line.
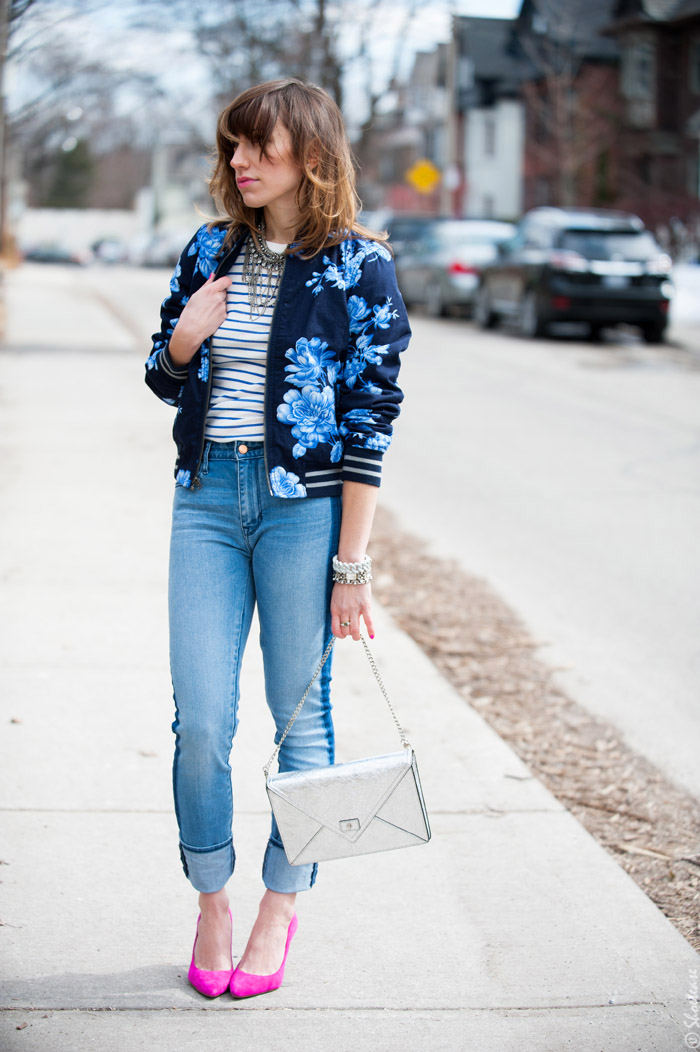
333, 359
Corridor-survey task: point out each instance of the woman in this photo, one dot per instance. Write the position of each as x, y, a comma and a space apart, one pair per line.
279, 346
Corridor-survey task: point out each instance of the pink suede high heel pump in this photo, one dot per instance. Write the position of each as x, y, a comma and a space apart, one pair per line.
211, 984
243, 984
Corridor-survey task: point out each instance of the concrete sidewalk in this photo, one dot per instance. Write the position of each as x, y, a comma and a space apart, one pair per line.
511, 929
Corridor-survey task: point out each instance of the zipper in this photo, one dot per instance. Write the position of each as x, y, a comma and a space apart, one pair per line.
229, 258
267, 372
196, 484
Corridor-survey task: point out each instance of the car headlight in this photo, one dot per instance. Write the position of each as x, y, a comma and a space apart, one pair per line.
659, 265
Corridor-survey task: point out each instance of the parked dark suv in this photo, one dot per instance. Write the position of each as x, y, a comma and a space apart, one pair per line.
585, 265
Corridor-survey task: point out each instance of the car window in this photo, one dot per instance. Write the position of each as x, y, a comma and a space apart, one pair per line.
610, 244
460, 233
537, 236
405, 229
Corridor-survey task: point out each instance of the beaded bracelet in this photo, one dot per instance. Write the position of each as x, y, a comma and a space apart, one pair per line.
352, 573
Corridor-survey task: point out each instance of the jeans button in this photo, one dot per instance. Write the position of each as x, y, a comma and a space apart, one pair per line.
242, 449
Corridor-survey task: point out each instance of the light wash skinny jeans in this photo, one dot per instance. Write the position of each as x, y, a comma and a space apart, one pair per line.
232, 545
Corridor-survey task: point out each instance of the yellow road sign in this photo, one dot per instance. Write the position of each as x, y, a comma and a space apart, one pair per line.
423, 176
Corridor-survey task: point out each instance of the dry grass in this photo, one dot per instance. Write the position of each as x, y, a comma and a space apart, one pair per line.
649, 825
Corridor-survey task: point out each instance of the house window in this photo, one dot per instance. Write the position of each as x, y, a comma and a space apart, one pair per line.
488, 206
639, 79
694, 65
644, 169
691, 171
541, 190
639, 67
489, 136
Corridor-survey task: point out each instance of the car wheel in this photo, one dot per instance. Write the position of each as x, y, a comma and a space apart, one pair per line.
433, 301
532, 324
595, 333
483, 312
654, 332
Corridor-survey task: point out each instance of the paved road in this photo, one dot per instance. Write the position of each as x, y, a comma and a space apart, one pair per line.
566, 474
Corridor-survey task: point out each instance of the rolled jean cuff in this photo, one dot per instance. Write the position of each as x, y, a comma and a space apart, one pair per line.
208, 871
278, 875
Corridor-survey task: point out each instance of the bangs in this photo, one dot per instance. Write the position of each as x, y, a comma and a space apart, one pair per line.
326, 197
253, 119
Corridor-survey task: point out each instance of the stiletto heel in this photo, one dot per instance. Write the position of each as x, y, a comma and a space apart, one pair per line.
211, 984
243, 984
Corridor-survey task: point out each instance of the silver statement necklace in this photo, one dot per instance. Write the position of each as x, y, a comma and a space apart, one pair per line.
262, 269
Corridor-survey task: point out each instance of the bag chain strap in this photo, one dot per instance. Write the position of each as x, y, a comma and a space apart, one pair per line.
373, 665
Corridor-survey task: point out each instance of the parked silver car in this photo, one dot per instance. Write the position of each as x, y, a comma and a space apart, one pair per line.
441, 266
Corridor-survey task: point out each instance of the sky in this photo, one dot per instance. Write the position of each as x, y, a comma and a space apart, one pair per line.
101, 28
431, 25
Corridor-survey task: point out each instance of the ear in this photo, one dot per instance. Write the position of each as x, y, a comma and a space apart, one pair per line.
314, 157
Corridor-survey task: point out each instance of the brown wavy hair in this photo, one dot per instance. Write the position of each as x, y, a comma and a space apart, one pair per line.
326, 197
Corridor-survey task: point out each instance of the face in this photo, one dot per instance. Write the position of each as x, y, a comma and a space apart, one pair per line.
263, 180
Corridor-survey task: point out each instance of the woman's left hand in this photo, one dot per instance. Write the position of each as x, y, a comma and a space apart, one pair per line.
349, 603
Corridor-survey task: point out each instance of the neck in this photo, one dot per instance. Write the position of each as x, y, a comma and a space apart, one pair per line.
281, 223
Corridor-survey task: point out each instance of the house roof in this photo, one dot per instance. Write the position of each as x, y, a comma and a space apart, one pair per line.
577, 24
639, 12
485, 42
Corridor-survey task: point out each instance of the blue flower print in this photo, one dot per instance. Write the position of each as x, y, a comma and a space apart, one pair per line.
378, 441
310, 358
286, 483
358, 310
367, 350
362, 320
174, 281
183, 478
207, 245
346, 275
383, 316
312, 415
357, 424
203, 371
354, 367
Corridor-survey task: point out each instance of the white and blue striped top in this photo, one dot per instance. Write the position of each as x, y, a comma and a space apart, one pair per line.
239, 364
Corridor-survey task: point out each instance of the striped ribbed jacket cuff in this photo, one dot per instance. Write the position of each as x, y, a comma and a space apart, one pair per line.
175, 372
362, 465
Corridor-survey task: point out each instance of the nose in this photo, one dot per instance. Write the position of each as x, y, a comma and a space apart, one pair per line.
238, 158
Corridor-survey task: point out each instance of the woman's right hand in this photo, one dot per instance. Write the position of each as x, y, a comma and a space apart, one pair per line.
202, 315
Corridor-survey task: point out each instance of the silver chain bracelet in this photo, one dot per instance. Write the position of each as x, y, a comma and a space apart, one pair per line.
352, 573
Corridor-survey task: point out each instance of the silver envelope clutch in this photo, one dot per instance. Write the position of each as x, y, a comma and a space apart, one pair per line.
352, 808
355, 808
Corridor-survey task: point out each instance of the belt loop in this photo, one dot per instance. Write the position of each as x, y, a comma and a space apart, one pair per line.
205, 457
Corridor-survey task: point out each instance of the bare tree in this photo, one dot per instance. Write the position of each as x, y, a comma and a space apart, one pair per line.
571, 102
11, 14
325, 41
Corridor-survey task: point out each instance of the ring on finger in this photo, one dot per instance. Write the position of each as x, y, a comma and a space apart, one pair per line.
345, 624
